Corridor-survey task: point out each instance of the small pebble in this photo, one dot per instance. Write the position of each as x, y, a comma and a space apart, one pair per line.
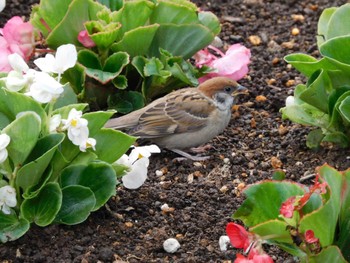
224, 241
255, 40
171, 245
295, 31
159, 173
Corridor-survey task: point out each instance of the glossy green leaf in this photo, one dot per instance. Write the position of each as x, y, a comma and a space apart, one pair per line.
314, 138
24, 133
43, 208
38, 160
112, 4
339, 22
77, 204
12, 103
96, 120
112, 144
264, 201
181, 40
172, 13
323, 23
67, 30
68, 97
12, 228
344, 108
337, 52
64, 111
126, 102
137, 41
307, 64
89, 59
210, 20
98, 176
102, 34
328, 254
328, 214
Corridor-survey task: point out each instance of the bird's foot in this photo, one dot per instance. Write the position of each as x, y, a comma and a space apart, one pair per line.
201, 149
189, 156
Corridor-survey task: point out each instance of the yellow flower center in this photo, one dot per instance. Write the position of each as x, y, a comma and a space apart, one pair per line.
74, 122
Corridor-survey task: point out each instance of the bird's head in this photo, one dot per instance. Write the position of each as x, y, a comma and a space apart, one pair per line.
222, 90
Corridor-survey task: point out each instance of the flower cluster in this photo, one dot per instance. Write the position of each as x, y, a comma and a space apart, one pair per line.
232, 64
250, 243
40, 84
137, 163
78, 131
15, 37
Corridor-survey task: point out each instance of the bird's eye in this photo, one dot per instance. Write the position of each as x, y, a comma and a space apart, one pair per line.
228, 89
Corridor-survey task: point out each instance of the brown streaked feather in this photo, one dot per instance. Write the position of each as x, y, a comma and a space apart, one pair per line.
175, 114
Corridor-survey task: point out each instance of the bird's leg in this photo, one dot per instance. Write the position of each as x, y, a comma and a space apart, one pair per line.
201, 149
189, 156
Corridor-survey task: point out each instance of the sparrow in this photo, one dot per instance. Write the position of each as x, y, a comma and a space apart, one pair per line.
184, 118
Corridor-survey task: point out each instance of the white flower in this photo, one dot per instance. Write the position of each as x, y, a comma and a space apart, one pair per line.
7, 199
20, 76
138, 162
2, 5
171, 245
223, 242
45, 88
89, 143
66, 57
78, 131
55, 121
290, 100
4, 141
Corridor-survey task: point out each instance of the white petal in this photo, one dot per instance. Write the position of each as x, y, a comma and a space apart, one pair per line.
66, 57
2, 5
223, 242
15, 81
137, 175
55, 121
4, 141
3, 155
46, 64
124, 160
18, 63
171, 245
143, 151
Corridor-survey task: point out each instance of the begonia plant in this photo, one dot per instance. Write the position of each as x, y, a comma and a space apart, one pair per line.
57, 162
311, 223
323, 102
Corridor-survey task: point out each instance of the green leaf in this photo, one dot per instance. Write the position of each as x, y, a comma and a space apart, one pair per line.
181, 40
96, 120
64, 111
327, 215
344, 108
137, 41
43, 208
172, 13
323, 24
12, 228
343, 241
77, 204
102, 34
38, 160
112, 144
210, 20
68, 28
337, 52
264, 200
126, 102
314, 138
317, 91
307, 64
24, 133
339, 22
67, 97
12, 103
328, 254
112, 4
76, 77
89, 59
98, 176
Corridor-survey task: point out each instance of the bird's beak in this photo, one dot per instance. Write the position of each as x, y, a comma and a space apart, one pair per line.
240, 90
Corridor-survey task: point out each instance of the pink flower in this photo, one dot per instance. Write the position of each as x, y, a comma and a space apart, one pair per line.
16, 37
287, 207
254, 256
239, 237
310, 237
85, 39
232, 64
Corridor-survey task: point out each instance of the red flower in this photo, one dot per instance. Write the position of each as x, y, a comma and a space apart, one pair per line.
239, 237
310, 237
287, 207
85, 39
254, 256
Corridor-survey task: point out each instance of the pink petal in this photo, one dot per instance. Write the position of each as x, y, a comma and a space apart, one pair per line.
85, 39
287, 207
310, 237
239, 237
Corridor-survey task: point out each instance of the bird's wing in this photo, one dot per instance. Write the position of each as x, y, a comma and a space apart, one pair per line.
180, 112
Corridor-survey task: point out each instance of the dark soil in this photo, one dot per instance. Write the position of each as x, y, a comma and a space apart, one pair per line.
203, 195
